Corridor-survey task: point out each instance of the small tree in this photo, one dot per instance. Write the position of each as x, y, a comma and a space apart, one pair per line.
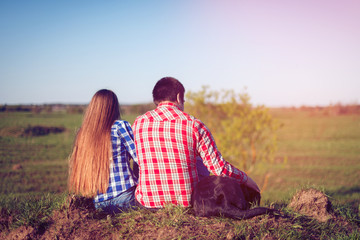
245, 135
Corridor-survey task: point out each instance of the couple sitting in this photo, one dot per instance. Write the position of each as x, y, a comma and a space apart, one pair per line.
170, 149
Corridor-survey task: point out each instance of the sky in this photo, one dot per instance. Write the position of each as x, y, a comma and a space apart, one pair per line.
281, 52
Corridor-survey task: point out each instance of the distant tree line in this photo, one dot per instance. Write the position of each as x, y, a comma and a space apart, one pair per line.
46, 108
332, 109
136, 109
73, 108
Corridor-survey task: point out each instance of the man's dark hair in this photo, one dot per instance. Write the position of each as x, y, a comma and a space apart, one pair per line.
167, 89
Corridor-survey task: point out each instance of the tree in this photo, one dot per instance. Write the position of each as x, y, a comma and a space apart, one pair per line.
244, 134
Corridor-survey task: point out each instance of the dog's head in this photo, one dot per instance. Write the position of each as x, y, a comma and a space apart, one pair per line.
251, 196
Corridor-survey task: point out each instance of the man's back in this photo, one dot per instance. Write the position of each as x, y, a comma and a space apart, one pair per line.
167, 156
167, 142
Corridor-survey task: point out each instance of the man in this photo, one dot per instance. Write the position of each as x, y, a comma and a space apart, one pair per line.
168, 142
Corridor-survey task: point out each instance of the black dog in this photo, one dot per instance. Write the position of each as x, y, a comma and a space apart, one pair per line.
224, 196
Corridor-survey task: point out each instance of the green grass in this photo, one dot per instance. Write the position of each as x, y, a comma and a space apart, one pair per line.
30, 211
313, 151
44, 159
318, 150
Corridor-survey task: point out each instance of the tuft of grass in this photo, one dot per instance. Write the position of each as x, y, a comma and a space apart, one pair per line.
30, 210
348, 212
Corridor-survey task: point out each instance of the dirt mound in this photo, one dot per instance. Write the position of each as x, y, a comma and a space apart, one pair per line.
34, 131
30, 131
77, 220
312, 203
16, 167
22, 232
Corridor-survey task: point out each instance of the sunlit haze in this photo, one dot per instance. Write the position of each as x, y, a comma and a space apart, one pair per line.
284, 53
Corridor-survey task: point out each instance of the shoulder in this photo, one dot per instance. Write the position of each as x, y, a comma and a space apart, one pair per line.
121, 127
185, 115
146, 116
197, 122
121, 124
200, 128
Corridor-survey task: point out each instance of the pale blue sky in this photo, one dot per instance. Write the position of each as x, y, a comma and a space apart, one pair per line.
286, 53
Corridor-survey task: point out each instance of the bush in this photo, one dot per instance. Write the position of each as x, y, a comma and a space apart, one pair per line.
245, 135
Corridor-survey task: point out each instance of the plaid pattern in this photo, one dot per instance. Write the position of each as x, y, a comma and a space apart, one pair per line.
167, 142
121, 174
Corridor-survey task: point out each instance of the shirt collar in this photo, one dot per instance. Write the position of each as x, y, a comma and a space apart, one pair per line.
168, 104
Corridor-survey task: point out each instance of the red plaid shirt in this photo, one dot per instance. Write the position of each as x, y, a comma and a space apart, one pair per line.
167, 142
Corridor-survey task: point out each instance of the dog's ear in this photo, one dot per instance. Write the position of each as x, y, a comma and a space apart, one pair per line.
251, 196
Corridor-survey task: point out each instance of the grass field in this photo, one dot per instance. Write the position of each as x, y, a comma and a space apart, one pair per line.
321, 151
313, 150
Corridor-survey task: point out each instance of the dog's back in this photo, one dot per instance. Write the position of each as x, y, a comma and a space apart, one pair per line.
223, 196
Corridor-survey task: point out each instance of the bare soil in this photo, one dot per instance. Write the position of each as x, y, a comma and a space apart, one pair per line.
79, 220
313, 203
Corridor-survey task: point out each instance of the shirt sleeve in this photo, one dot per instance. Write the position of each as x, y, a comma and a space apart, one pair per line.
211, 156
127, 137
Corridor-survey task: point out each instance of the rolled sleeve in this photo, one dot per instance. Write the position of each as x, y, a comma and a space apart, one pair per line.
212, 157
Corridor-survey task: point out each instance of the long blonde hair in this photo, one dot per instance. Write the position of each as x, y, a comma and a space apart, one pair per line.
89, 167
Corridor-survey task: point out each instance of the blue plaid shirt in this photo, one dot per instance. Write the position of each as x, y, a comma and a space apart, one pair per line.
122, 177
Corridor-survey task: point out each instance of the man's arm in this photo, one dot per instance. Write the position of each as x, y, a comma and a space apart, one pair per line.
212, 158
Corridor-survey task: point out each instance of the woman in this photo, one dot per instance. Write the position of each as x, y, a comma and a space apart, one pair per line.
100, 161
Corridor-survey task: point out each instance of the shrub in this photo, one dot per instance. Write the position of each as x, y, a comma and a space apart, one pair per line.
245, 135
